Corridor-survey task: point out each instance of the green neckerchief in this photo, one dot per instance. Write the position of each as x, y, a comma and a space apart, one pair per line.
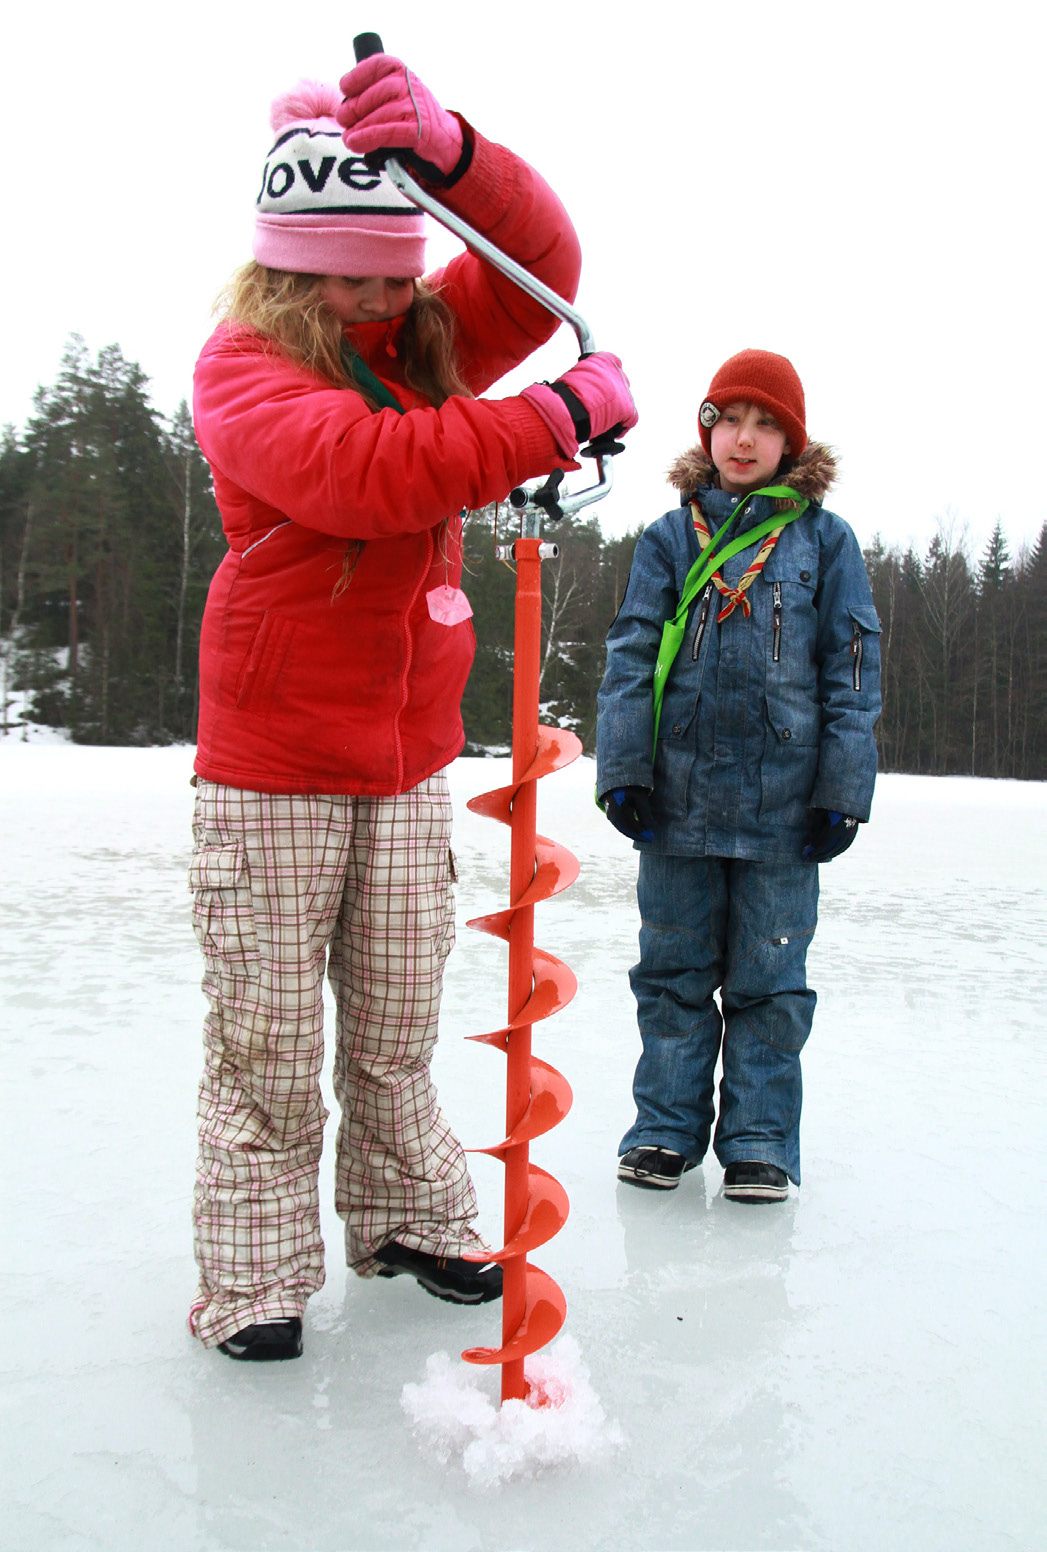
360, 373
710, 560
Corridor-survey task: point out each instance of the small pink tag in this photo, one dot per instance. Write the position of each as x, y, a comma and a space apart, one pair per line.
448, 605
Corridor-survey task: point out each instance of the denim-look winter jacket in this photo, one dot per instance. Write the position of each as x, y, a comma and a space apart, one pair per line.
764, 716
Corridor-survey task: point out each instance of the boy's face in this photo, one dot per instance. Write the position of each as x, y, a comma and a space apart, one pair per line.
748, 444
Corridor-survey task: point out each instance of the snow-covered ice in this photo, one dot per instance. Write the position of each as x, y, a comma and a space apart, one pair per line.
859, 1369
561, 1424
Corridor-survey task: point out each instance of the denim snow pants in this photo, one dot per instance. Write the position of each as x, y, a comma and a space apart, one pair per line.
742, 927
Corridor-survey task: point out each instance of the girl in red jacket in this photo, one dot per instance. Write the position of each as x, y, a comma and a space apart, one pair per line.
336, 406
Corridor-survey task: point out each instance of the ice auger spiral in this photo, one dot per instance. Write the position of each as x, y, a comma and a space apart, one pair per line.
537, 1095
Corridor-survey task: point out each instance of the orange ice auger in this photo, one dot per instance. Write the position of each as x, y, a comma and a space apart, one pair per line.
537, 1095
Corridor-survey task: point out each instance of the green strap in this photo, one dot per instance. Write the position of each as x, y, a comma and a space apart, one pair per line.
710, 560
360, 373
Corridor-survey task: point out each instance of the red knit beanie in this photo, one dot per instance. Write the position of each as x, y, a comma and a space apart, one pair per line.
757, 377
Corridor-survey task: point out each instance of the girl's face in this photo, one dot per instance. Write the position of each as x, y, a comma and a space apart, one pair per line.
748, 444
367, 298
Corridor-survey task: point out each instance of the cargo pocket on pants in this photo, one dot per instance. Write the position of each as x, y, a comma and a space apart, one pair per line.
444, 899
223, 915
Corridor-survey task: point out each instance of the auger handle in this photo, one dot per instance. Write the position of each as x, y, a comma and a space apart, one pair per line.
364, 45
602, 449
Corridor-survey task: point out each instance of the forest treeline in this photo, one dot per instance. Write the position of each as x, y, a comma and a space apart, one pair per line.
109, 536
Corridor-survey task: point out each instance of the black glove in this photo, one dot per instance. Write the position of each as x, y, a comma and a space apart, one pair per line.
828, 834
629, 810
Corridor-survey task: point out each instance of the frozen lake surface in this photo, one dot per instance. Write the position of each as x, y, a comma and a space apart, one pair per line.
861, 1368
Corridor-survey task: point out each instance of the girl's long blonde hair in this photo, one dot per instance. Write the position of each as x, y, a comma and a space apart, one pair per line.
289, 310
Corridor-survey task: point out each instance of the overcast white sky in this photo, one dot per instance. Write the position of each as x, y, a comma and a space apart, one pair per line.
857, 187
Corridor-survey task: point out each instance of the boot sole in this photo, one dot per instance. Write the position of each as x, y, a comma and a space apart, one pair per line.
649, 1182
259, 1355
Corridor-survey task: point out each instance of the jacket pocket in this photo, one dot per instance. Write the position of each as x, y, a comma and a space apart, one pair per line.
789, 764
864, 622
259, 677
784, 599
674, 752
223, 915
794, 714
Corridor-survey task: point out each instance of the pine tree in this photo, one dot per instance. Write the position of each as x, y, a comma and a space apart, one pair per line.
947, 596
64, 536
110, 579
16, 526
992, 687
1031, 734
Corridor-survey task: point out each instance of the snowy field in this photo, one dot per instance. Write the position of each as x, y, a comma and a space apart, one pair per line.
859, 1369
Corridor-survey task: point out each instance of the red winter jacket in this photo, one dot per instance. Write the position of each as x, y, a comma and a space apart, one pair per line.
306, 686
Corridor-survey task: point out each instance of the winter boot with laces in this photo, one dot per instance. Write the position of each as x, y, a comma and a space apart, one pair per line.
754, 1181
657, 1169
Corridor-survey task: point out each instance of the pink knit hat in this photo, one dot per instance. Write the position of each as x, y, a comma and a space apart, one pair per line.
321, 210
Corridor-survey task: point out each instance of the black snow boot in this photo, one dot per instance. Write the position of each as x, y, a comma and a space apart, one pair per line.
446, 1277
753, 1181
654, 1168
270, 1340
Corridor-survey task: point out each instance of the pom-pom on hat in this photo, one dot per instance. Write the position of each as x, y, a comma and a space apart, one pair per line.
320, 209
757, 377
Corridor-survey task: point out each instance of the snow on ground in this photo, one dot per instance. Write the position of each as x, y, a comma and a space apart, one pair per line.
859, 1369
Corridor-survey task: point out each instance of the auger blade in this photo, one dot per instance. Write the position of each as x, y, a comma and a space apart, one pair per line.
556, 869
547, 1212
554, 985
551, 1099
557, 747
496, 804
544, 1315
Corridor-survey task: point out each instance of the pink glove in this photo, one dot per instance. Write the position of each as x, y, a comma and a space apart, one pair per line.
387, 107
593, 397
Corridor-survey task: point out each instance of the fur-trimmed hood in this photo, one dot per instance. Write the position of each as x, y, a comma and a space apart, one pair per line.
812, 474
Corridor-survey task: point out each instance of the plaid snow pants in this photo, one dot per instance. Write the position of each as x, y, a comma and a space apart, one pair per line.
283, 884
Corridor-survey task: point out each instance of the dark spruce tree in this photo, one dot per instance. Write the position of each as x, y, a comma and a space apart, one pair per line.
99, 599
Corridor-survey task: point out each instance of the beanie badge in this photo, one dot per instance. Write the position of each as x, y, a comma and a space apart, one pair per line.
708, 415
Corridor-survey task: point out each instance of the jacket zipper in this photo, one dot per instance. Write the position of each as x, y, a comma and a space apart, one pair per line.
856, 654
408, 656
245, 553
776, 649
703, 615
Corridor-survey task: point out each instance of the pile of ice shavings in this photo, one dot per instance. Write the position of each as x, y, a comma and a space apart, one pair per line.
560, 1424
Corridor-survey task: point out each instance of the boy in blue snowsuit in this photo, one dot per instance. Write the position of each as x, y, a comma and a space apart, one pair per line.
759, 707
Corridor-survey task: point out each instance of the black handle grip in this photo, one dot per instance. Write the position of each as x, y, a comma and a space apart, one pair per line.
605, 445
365, 44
